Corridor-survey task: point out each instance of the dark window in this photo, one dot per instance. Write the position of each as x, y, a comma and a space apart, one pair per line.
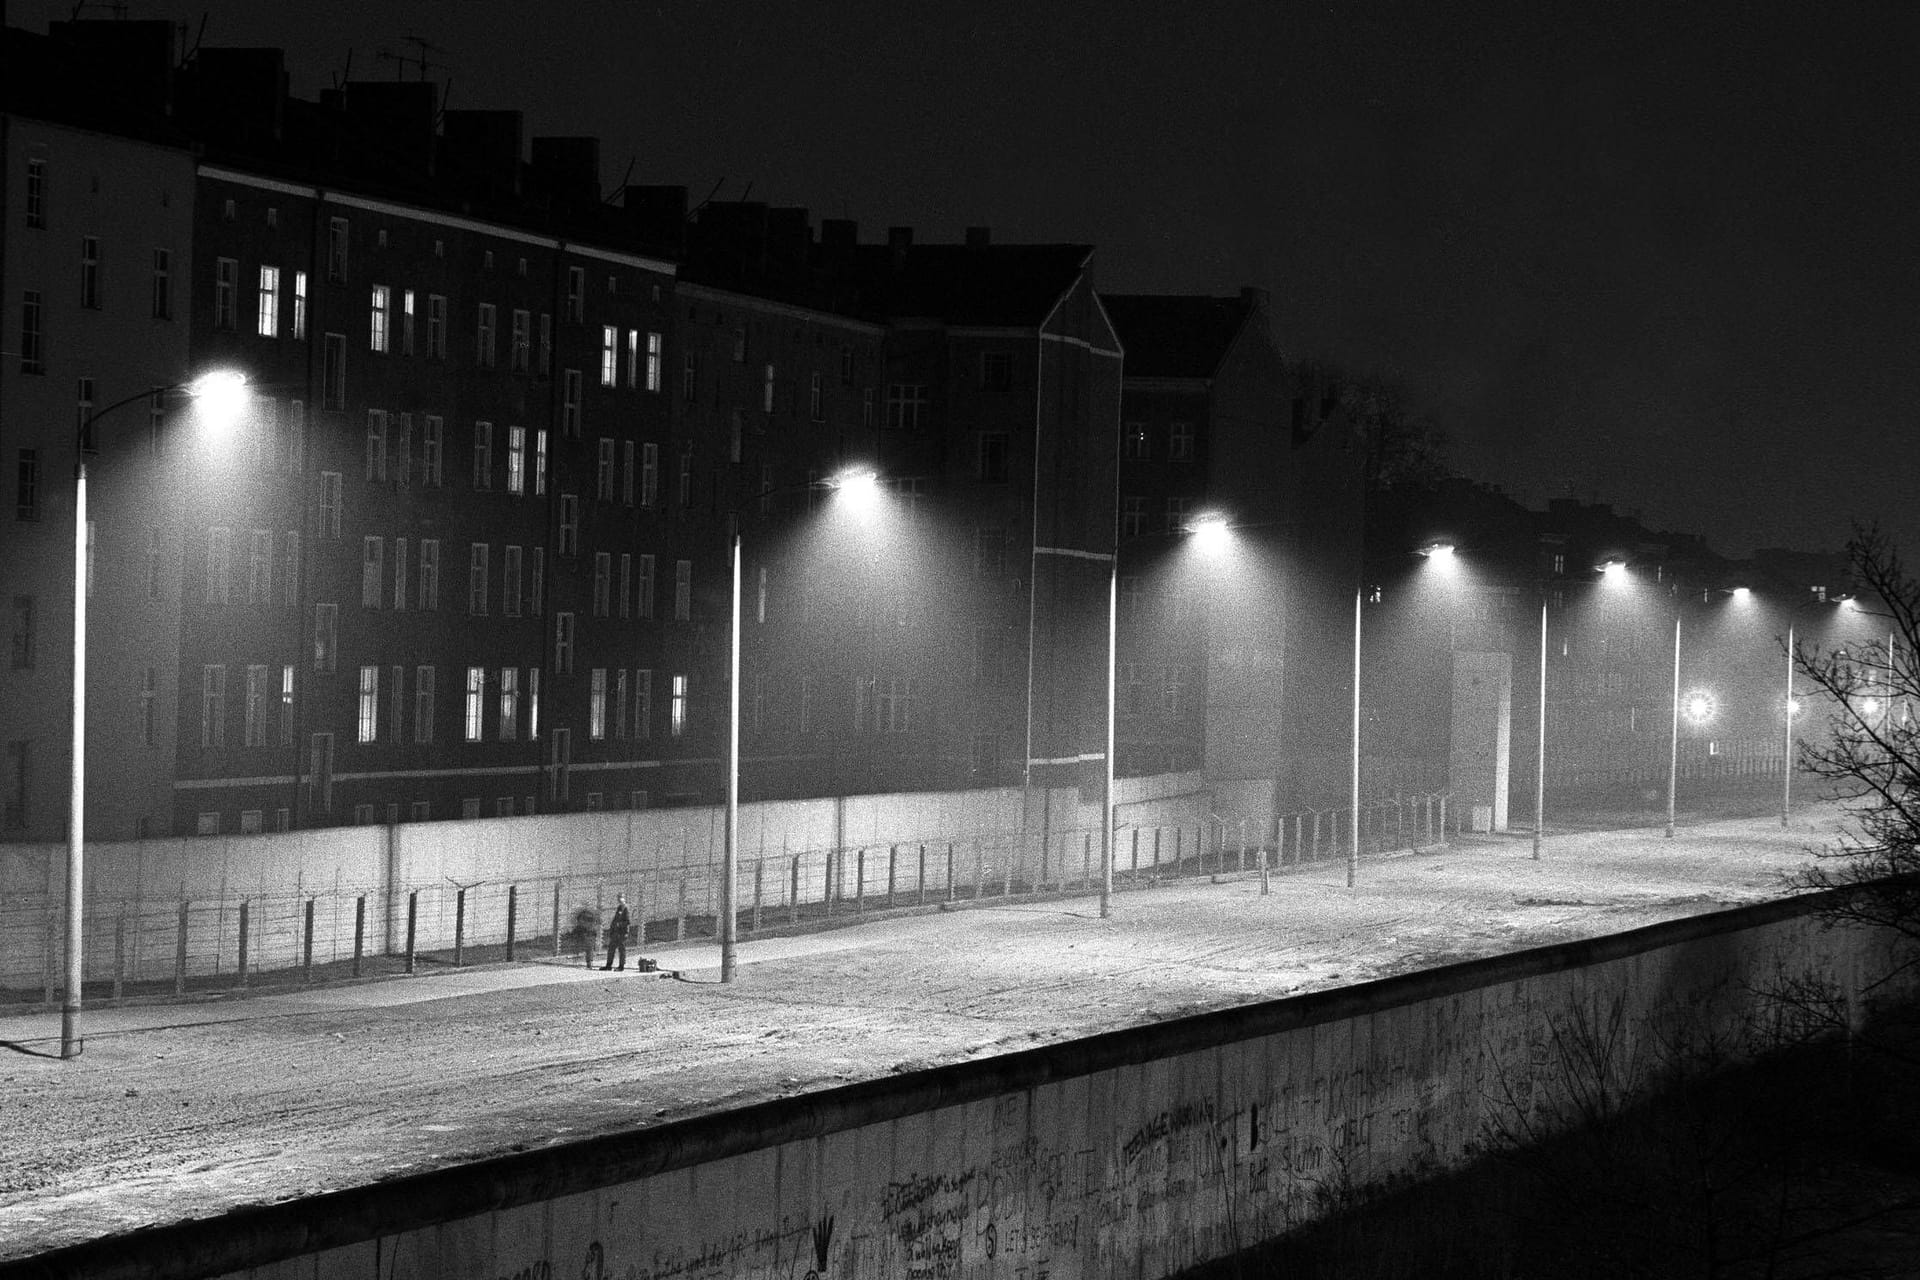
27, 492
996, 371
22, 639
993, 457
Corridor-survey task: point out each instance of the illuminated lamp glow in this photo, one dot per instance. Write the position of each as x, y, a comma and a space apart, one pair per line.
1869, 708
1699, 706
1614, 573
860, 489
1211, 532
222, 396
1438, 551
1742, 595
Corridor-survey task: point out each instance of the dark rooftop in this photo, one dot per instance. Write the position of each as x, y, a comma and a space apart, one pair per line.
1174, 335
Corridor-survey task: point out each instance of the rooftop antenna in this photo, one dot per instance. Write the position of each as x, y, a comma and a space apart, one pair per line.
624, 179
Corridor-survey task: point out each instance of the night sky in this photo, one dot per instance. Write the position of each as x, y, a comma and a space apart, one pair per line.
1662, 255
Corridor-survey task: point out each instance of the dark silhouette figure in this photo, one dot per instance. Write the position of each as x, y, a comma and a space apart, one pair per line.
617, 936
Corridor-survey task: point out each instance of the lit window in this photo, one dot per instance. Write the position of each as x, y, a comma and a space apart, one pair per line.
300, 305
597, 704
381, 306
516, 460
655, 352
509, 703
476, 703
269, 302
368, 725
677, 721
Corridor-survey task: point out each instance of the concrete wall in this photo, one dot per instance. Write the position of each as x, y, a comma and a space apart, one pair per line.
655, 856
1135, 1153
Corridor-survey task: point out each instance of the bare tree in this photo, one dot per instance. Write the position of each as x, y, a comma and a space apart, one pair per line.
1869, 754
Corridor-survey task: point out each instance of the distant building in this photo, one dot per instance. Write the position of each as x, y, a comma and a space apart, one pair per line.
1234, 661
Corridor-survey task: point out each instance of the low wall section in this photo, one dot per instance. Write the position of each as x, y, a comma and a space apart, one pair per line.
1135, 1153
135, 889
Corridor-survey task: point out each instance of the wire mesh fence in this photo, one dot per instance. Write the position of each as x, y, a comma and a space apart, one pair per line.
148, 946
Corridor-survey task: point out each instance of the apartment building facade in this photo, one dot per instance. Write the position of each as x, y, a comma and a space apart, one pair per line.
95, 254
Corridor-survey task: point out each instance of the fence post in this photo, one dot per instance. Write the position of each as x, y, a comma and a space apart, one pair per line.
556, 915
1316, 835
1041, 884
1086, 862
1135, 869
1006, 874
306, 948
680, 920
243, 942
1298, 818
920, 898
1157, 831
860, 882
47, 949
413, 921
513, 918
119, 954
1263, 871
459, 928
826, 889
759, 881
949, 871
1443, 816
179, 954
793, 892
893, 871
359, 930
979, 869
1240, 853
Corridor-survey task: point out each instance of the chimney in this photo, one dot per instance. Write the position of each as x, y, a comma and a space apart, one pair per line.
899, 240
838, 236
979, 237
569, 168
483, 149
395, 119
239, 94
658, 215
789, 235
130, 63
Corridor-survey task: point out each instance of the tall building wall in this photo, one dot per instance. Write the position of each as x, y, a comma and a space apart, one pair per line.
98, 250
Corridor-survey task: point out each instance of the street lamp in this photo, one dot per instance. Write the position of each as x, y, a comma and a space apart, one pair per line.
223, 394
861, 488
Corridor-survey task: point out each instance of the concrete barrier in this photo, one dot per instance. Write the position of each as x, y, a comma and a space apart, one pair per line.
1137, 1152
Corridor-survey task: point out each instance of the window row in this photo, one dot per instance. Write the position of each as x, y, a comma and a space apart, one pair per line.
1137, 441
266, 705
239, 575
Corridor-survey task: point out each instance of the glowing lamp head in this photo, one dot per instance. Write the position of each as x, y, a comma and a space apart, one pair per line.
1699, 706
1741, 595
221, 396
1211, 532
1614, 573
1869, 708
1438, 551
859, 489
1793, 707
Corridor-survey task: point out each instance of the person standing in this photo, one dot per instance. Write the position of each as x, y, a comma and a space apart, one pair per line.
617, 936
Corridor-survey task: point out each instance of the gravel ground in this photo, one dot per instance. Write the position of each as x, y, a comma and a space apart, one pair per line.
186, 1110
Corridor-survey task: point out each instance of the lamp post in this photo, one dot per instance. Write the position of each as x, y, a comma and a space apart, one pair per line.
864, 487
224, 392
